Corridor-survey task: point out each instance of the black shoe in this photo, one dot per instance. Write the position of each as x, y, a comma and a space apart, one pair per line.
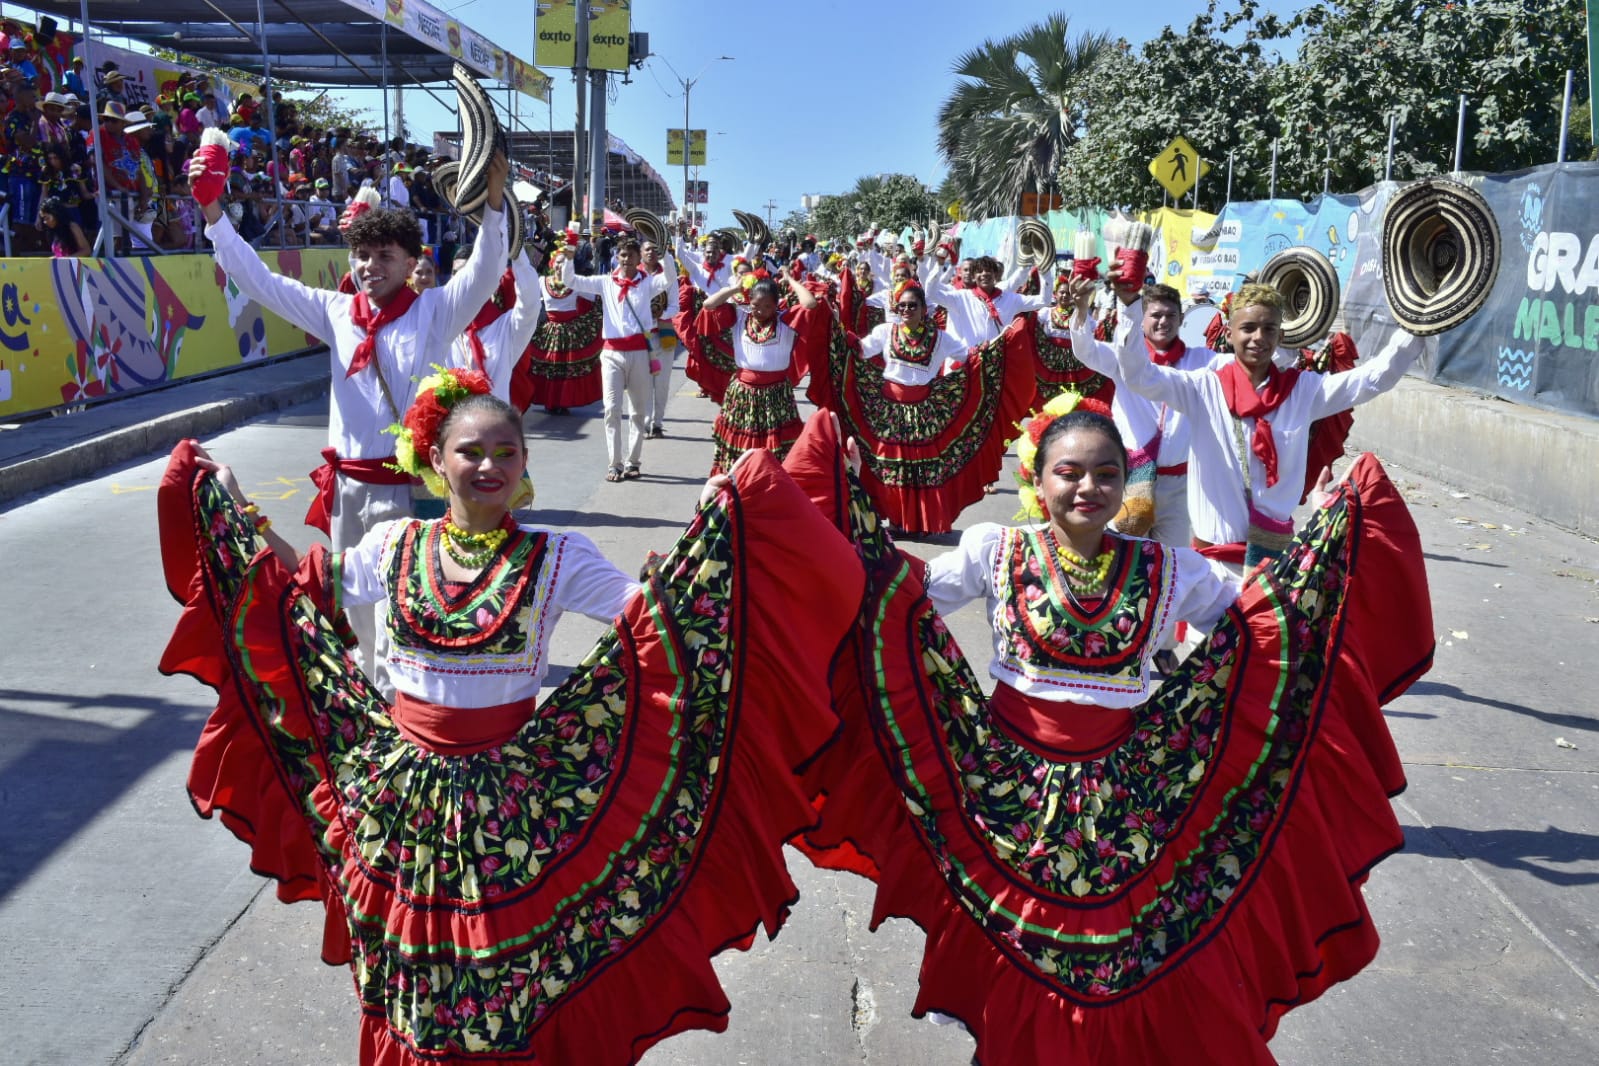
657, 432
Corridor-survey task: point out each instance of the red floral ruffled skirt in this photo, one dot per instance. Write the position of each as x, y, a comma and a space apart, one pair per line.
563, 360
1167, 899
929, 451
552, 893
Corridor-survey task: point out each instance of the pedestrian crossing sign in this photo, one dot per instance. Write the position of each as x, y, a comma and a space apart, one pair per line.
1178, 167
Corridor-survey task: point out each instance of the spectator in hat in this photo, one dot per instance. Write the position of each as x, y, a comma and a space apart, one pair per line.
138, 133
323, 215
113, 85
189, 125
72, 80
400, 188
52, 124
21, 59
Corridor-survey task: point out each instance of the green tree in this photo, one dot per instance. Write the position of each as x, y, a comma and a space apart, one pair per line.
1361, 60
884, 201
1019, 105
1210, 83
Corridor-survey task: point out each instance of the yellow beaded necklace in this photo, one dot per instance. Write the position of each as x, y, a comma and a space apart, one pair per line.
472, 550
1083, 577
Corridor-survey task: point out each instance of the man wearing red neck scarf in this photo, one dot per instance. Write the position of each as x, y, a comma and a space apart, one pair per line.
1147, 328
629, 359
979, 313
1251, 425
498, 335
381, 340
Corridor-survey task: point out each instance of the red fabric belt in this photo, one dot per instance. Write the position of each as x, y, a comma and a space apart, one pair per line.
761, 377
565, 316
458, 730
326, 476
1069, 730
1171, 471
634, 342
1222, 553
901, 393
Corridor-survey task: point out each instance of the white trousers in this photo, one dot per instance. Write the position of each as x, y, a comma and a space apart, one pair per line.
1171, 511
625, 380
356, 509
660, 389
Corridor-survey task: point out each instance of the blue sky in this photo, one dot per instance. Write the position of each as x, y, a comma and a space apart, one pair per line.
817, 95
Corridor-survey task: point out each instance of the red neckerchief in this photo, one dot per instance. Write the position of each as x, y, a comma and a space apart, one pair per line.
502, 300
988, 300
624, 284
712, 269
1244, 402
362, 315
1171, 356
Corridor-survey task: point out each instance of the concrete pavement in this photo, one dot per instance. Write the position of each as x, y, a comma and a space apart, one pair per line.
136, 935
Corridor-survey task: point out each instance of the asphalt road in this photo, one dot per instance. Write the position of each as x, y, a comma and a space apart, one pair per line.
134, 934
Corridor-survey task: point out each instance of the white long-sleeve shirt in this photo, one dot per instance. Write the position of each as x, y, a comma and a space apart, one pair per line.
1216, 503
700, 274
573, 577
1146, 418
506, 337
948, 353
969, 319
407, 348
1192, 589
633, 316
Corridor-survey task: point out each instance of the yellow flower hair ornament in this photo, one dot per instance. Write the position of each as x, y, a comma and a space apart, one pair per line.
415, 437
1033, 428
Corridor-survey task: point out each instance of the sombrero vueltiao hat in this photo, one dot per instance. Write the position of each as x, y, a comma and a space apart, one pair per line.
1440, 255
1309, 285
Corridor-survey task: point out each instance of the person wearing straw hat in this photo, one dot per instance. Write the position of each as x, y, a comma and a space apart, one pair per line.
1250, 423
381, 339
113, 85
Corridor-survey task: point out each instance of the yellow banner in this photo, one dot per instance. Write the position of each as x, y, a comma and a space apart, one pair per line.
1175, 259
610, 22
696, 148
77, 329
555, 34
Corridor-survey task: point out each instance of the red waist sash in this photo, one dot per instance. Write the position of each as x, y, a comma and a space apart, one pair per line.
1171, 471
761, 378
901, 393
324, 477
633, 342
1071, 731
564, 316
458, 730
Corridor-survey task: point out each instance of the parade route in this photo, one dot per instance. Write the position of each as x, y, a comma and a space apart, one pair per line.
136, 936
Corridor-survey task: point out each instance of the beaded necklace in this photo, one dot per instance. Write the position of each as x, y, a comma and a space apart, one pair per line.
1084, 578
472, 550
759, 333
1060, 318
914, 345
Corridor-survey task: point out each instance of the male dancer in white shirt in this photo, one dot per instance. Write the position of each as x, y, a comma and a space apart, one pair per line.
667, 308
626, 351
381, 341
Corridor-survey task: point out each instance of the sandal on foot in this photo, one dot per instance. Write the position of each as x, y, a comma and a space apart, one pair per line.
632, 473
613, 475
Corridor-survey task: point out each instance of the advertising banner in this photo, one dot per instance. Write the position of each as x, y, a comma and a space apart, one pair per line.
610, 23
424, 22
73, 330
555, 34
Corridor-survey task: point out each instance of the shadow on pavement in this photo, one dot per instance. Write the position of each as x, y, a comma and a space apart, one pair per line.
1568, 721
1530, 851
1435, 557
58, 774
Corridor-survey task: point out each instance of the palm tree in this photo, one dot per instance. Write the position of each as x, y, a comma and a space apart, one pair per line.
1005, 125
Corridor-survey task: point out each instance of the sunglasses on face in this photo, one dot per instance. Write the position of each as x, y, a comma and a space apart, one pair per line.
907, 305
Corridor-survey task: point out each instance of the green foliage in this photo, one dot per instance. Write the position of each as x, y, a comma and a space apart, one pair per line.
1019, 105
318, 108
1222, 85
886, 201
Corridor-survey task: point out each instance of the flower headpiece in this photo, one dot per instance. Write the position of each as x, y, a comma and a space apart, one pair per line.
415, 437
1033, 428
905, 286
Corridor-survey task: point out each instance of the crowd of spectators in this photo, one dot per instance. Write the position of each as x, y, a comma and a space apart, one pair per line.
290, 178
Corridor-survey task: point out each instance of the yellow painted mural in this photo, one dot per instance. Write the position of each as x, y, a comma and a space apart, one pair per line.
79, 329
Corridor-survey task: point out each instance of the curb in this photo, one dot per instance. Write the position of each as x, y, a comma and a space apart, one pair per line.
158, 434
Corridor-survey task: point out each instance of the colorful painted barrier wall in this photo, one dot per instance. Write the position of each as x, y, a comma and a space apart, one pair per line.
78, 329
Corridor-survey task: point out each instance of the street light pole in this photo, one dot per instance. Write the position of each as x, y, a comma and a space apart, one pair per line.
688, 87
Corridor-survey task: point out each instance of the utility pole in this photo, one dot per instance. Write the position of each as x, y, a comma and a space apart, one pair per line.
771, 205
579, 76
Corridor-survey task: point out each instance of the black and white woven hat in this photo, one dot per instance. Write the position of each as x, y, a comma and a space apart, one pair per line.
1309, 285
1440, 255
